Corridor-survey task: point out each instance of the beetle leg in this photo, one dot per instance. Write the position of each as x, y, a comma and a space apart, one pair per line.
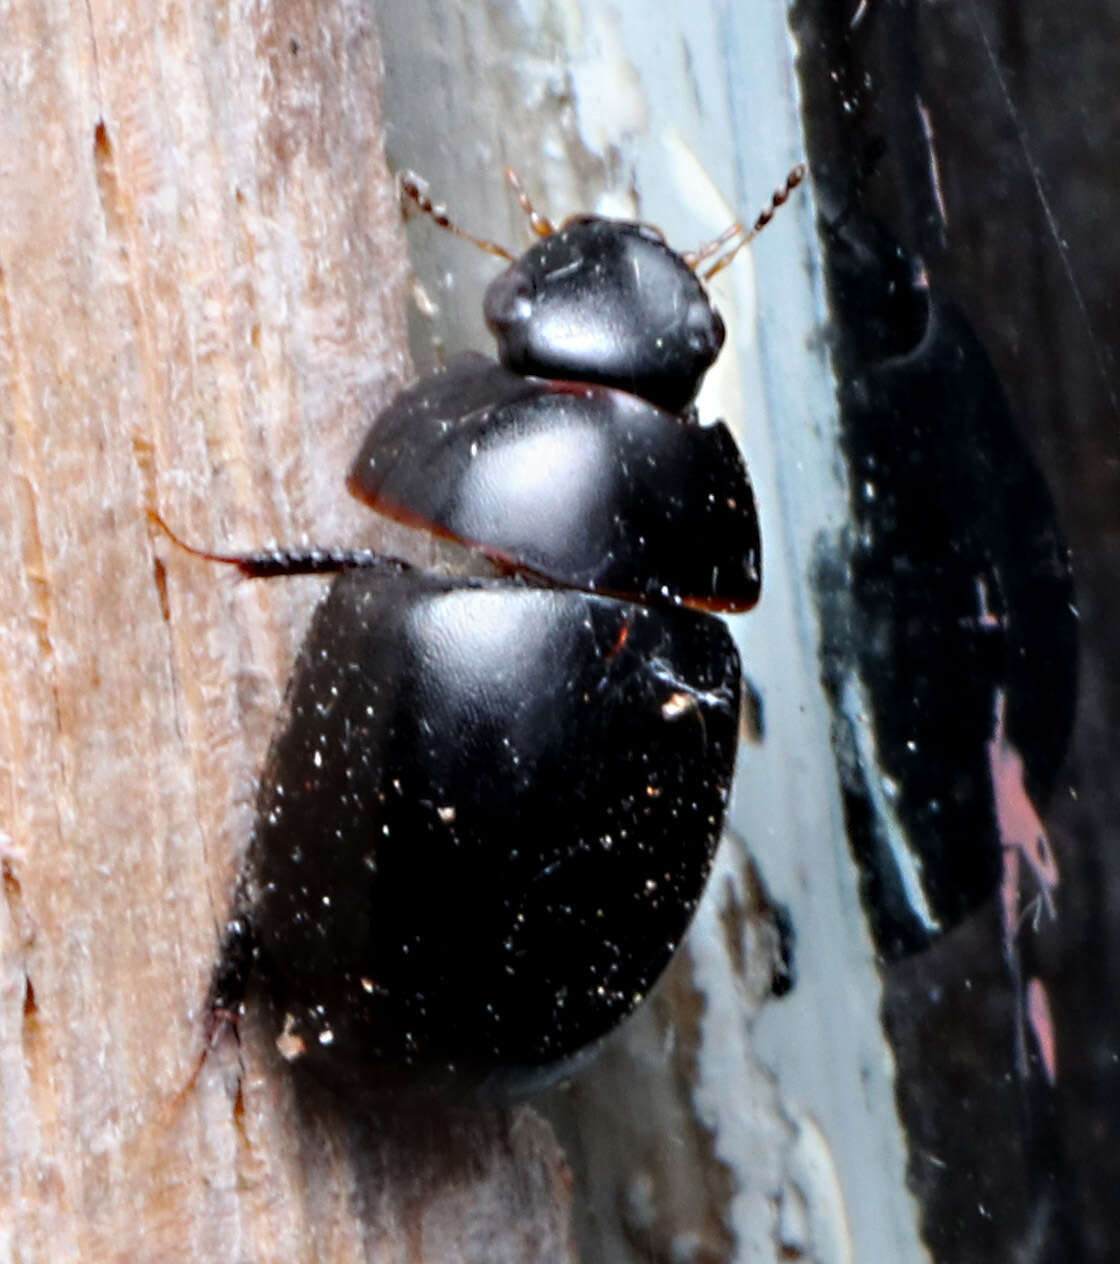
274, 563
236, 957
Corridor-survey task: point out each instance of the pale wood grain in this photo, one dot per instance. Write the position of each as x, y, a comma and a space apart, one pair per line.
201, 300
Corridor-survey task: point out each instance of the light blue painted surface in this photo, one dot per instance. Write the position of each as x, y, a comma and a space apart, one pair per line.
687, 116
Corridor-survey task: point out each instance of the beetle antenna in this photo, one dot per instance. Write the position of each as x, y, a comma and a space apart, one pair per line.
696, 257
415, 190
537, 222
274, 563
693, 258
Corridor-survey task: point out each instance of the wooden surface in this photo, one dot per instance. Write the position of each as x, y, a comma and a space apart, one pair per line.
201, 299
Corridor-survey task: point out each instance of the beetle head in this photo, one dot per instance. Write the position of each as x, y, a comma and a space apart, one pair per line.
602, 300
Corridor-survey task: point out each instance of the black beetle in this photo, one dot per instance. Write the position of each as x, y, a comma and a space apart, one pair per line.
493, 808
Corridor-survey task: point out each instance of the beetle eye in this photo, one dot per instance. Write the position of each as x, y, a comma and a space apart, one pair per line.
704, 330
509, 301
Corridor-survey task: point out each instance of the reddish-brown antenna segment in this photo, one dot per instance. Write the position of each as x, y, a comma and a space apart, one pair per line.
694, 258
415, 190
539, 224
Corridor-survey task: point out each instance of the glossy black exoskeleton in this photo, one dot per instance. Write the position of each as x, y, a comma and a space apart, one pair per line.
492, 811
